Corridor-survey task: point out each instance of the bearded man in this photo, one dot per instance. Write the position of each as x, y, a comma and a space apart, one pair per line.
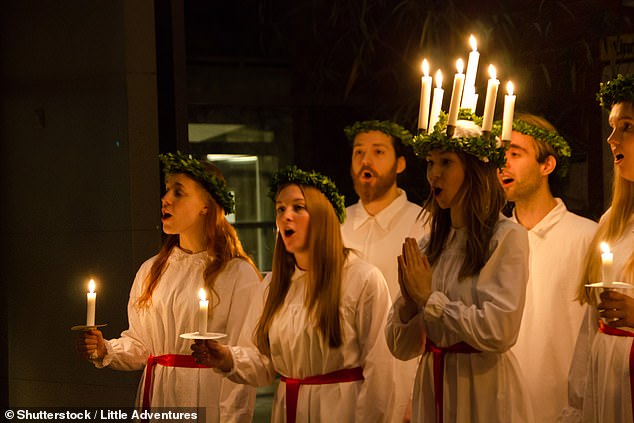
377, 225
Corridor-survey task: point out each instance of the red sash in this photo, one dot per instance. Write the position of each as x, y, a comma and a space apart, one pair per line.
609, 330
167, 360
438, 354
292, 386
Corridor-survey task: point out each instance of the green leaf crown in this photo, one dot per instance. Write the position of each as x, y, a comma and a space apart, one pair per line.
485, 147
387, 127
616, 91
294, 175
181, 163
552, 138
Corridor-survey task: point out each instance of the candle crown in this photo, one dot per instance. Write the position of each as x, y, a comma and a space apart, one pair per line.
467, 138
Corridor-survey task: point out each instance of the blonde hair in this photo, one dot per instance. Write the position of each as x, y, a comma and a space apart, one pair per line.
610, 229
223, 245
323, 291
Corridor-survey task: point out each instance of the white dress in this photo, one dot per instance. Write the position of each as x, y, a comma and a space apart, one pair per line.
599, 380
379, 239
298, 351
552, 316
483, 311
155, 331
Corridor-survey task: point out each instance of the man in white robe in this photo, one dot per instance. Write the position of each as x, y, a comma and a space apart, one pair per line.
379, 222
558, 240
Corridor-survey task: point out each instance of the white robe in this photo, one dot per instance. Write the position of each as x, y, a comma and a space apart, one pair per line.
155, 331
599, 380
552, 316
298, 351
379, 239
483, 311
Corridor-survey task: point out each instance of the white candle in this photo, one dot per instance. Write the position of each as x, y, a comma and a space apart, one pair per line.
489, 103
509, 110
436, 104
425, 94
607, 259
203, 309
91, 301
468, 101
456, 94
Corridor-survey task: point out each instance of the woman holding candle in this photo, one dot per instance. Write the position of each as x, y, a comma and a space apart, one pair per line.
323, 319
601, 383
201, 250
463, 289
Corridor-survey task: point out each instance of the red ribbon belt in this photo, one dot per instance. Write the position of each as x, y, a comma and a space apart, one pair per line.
609, 330
167, 360
438, 354
292, 386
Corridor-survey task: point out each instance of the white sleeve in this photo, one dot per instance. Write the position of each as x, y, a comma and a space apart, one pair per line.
579, 367
129, 352
249, 365
376, 397
493, 322
405, 340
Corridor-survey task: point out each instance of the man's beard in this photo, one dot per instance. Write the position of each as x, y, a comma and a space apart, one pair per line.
372, 192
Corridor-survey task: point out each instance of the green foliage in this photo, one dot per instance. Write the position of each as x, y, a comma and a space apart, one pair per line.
293, 175
387, 127
616, 91
552, 138
180, 163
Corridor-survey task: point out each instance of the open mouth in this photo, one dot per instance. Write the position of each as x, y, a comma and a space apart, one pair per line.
507, 180
288, 232
166, 215
619, 157
366, 175
437, 191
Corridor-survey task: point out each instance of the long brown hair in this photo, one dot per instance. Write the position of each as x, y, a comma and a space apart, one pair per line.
223, 245
610, 229
323, 290
482, 200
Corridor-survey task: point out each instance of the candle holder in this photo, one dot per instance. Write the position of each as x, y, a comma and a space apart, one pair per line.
85, 328
207, 335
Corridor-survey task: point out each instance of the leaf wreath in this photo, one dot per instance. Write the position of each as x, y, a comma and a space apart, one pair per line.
181, 163
616, 91
294, 175
387, 127
552, 138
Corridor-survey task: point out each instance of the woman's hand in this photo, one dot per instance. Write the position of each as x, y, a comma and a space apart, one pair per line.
414, 274
213, 354
617, 309
91, 346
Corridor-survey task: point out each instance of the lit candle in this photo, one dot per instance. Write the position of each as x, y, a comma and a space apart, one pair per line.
469, 100
509, 110
437, 102
606, 262
91, 298
489, 104
456, 94
202, 311
425, 94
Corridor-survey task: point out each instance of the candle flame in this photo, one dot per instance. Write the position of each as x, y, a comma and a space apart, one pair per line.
438, 79
473, 43
202, 294
492, 73
605, 248
509, 87
91, 286
459, 65
425, 67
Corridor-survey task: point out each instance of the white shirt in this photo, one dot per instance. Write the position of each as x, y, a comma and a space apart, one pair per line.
599, 380
379, 239
298, 351
484, 311
552, 316
155, 331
